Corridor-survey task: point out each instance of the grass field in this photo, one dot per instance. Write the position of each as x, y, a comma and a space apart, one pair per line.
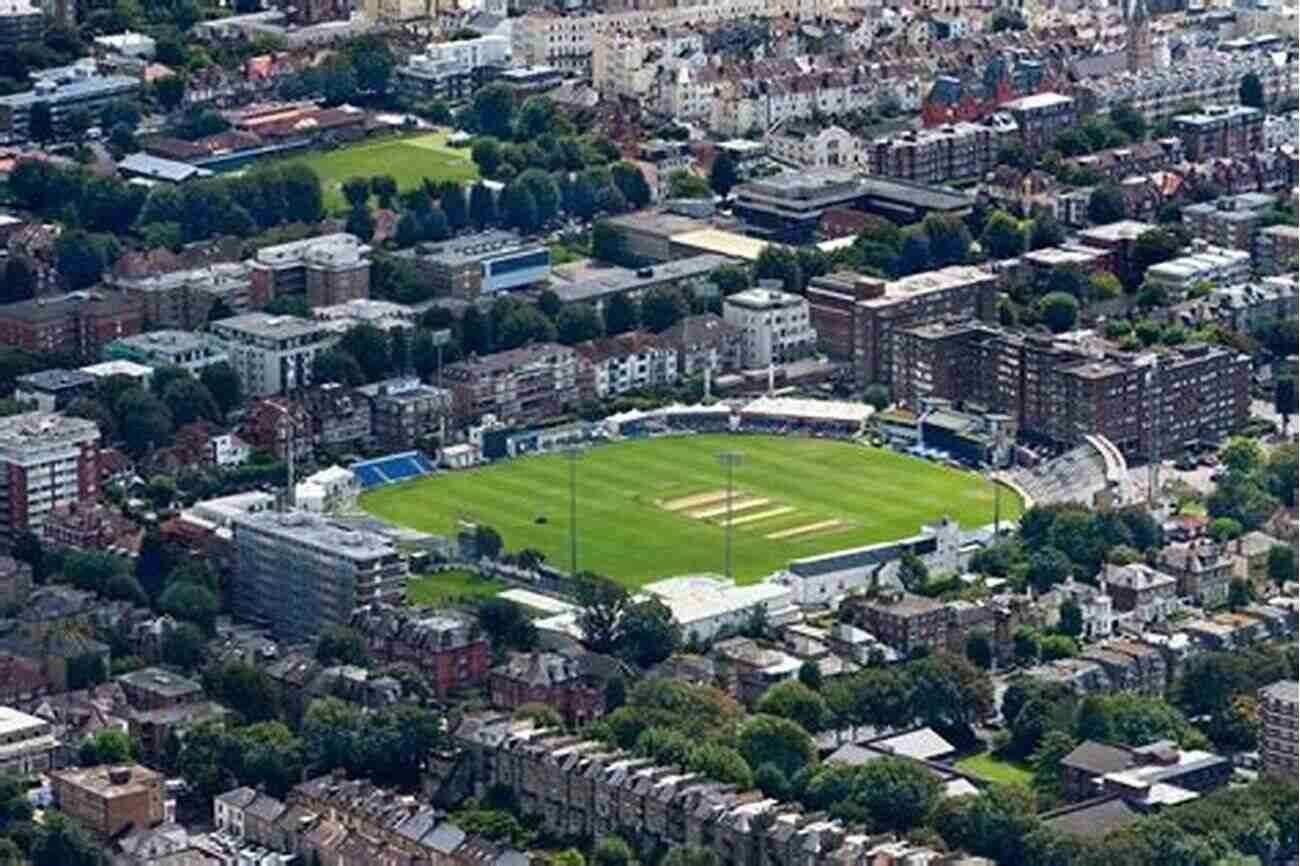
443, 586
994, 769
656, 508
409, 159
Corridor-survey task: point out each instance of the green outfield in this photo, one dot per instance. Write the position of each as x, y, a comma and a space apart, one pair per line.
654, 508
409, 159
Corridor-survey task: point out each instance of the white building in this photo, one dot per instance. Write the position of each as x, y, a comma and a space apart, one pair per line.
449, 66
775, 324
1140, 592
629, 362
821, 147
1219, 266
137, 373
331, 489
129, 44
228, 449
46, 461
27, 744
1097, 608
272, 354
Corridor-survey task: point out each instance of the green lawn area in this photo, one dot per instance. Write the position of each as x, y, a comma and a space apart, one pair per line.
655, 508
443, 586
994, 769
409, 159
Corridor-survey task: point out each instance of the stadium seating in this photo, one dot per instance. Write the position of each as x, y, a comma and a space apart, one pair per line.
1078, 475
390, 469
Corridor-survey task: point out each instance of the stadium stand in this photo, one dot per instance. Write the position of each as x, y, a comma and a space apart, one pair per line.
391, 469
1078, 475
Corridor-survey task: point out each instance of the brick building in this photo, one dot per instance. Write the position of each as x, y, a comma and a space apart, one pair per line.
1219, 130
1138, 589
855, 316
339, 416
326, 270
269, 423
105, 800
46, 461
521, 385
157, 689
78, 323
451, 651
183, 299
900, 620
1203, 570
556, 680
403, 411
1041, 117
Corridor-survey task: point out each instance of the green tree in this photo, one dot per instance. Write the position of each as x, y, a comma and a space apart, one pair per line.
170, 92
1048, 566
80, 258
360, 222
877, 396
189, 400
482, 206
611, 851
1285, 400
780, 742
608, 244
601, 605
621, 315
335, 365
949, 238
506, 624
57, 842
192, 603
356, 190
912, 572
631, 182
795, 701
1045, 231
1251, 91
578, 323
143, 421
1003, 236
662, 307
1129, 120
1282, 565
1046, 762
384, 187
648, 632
684, 184
340, 644
1223, 529
810, 675
223, 384
493, 107
979, 648
1060, 311
184, 646
1107, 204
1025, 644
1071, 618
486, 154
723, 175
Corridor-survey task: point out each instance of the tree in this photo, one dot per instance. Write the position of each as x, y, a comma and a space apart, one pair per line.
143, 421
184, 646
621, 315
795, 701
1048, 566
170, 92
780, 263
1058, 646
1107, 204
486, 154
810, 674
190, 602
1240, 594
189, 400
1129, 120
40, 122
1104, 286
578, 323
1025, 644
384, 186
109, 746
601, 605
979, 648
631, 182
1032, 721
949, 238
611, 851
1285, 399
340, 644
1251, 91
912, 572
80, 258
356, 190
1282, 564
949, 691
360, 222
1071, 618
1045, 231
615, 693
482, 206
19, 280
57, 842
1224, 529
684, 184
608, 244
493, 107
780, 742
223, 384
877, 396
1046, 762
649, 634
506, 624
335, 365
662, 307
689, 855
723, 175
1003, 237
372, 349
1060, 311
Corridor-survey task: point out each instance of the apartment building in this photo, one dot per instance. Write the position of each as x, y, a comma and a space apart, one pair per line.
339, 416
704, 342
545, 38
1202, 263
1041, 117
451, 69
402, 411
1229, 221
53, 390
168, 348
273, 354
300, 573
625, 362
65, 89
27, 744
814, 146
479, 264
775, 326
105, 800
326, 270
450, 649
76, 323
1062, 390
942, 154
46, 461
1277, 249
900, 620
556, 680
1219, 130
519, 385
855, 316
625, 63
183, 299
1279, 728
20, 21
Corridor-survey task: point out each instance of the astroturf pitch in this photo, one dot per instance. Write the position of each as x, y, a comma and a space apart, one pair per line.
822, 495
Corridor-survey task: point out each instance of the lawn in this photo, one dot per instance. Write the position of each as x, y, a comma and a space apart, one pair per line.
441, 587
409, 159
994, 769
654, 508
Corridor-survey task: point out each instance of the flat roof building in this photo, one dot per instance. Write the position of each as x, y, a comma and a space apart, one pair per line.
481, 264
27, 744
52, 390
774, 325
46, 461
273, 354
325, 270
105, 800
65, 90
168, 348
184, 299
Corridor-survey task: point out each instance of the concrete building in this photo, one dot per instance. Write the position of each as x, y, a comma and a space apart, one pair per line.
184, 299
20, 21
272, 354
1203, 263
451, 70
1041, 117
105, 800
1277, 249
707, 607
27, 744
520, 385
1097, 608
1279, 734
1203, 570
301, 573
1219, 130
775, 326
943, 154
53, 390
855, 316
403, 411
705, 342
1229, 221
470, 266
387, 316
325, 270
46, 461
625, 362
65, 90
169, 348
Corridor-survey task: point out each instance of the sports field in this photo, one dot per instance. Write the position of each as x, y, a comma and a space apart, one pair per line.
409, 159
657, 508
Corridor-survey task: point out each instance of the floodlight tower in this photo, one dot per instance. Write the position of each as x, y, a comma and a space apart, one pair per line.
573, 453
730, 460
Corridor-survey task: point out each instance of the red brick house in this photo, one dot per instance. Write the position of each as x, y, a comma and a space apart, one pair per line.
563, 683
450, 650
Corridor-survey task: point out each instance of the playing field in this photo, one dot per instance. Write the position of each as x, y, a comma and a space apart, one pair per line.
408, 159
657, 508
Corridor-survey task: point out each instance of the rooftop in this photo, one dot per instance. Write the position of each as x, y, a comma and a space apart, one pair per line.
110, 781
55, 380
43, 429
1283, 690
470, 249
312, 530
764, 299
731, 244
13, 721
160, 682
267, 325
